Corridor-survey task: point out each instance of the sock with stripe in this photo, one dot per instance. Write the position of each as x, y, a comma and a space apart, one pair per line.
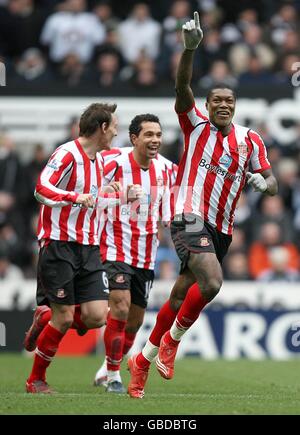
164, 320
114, 337
189, 312
47, 345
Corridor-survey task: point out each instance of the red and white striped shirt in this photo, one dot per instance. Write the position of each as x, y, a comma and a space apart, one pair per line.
212, 171
68, 173
130, 230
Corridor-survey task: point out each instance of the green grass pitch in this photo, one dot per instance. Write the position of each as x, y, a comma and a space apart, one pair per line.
199, 387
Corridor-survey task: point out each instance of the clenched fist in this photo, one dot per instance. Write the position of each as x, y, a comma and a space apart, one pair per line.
257, 181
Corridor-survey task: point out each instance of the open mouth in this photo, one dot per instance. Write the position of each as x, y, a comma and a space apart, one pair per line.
153, 149
223, 113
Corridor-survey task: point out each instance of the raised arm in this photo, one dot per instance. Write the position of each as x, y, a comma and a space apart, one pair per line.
192, 36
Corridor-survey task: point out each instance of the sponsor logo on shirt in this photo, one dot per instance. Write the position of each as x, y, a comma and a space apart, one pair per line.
54, 164
215, 169
225, 161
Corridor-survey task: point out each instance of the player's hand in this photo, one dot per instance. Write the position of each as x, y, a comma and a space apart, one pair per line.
113, 187
116, 185
257, 181
86, 200
134, 192
192, 33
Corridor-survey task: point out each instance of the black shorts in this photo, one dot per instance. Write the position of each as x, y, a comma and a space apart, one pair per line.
191, 234
122, 276
70, 273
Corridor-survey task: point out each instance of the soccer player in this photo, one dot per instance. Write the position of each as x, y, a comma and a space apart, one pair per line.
69, 269
129, 242
211, 174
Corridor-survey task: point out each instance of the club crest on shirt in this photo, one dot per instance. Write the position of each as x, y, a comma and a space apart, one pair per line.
242, 149
204, 242
225, 160
120, 279
61, 293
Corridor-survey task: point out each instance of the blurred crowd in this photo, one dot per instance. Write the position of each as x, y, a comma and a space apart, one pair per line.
134, 43
266, 241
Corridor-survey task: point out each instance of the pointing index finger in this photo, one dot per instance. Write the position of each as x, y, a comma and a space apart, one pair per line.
196, 19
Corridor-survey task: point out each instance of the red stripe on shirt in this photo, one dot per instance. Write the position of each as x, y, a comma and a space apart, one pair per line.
65, 212
136, 178
86, 189
232, 142
117, 225
149, 223
211, 176
195, 160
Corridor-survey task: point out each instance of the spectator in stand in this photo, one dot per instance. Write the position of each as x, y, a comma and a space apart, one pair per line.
286, 70
139, 33
32, 69
107, 69
144, 74
72, 32
103, 11
12, 189
257, 73
72, 131
279, 267
8, 271
270, 236
275, 211
178, 14
283, 21
240, 54
71, 70
219, 73
21, 22
236, 267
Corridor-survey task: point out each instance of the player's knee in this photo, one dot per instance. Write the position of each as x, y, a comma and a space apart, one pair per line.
212, 288
62, 318
120, 308
95, 319
63, 321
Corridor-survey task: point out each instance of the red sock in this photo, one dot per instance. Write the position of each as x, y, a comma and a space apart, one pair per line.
46, 317
114, 337
77, 322
47, 345
192, 306
189, 312
164, 321
128, 342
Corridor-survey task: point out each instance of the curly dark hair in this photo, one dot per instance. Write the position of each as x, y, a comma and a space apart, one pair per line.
136, 124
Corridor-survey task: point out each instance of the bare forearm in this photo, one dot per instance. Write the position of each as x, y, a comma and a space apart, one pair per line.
272, 184
185, 70
184, 93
